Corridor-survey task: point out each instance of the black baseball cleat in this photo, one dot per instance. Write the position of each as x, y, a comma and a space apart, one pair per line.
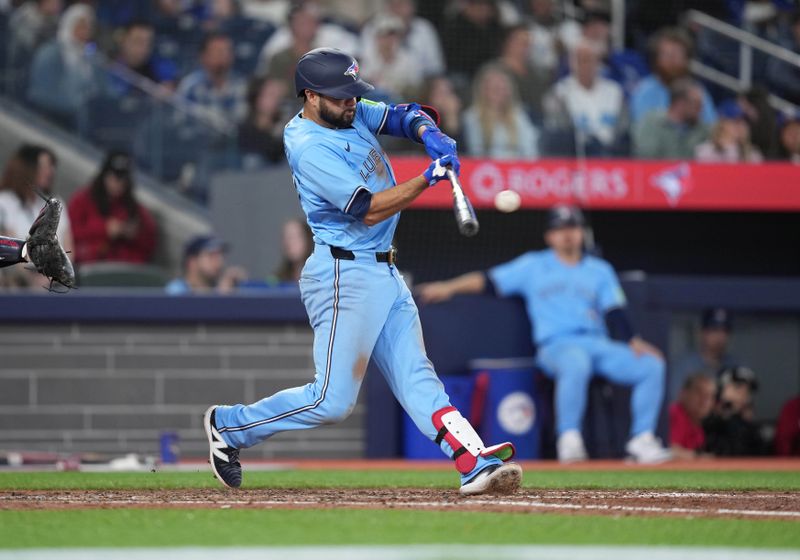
224, 459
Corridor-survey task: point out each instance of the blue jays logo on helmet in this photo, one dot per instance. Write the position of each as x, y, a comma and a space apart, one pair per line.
352, 70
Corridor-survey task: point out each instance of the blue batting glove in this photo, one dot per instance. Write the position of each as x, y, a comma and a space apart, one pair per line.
437, 143
437, 170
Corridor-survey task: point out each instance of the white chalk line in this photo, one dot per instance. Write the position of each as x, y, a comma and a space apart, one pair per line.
519, 504
404, 552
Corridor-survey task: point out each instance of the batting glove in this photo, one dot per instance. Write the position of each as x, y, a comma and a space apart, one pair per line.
437, 170
437, 143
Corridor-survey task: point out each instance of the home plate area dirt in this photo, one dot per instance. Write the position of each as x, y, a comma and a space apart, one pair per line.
751, 505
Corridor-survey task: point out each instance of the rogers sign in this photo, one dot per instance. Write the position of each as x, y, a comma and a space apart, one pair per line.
618, 184
562, 182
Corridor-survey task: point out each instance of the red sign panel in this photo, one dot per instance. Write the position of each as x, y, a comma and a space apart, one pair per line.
619, 184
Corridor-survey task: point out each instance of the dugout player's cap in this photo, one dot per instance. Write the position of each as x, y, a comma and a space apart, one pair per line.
201, 244
330, 72
717, 318
564, 215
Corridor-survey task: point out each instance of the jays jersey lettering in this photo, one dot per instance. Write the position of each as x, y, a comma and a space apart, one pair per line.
560, 299
331, 166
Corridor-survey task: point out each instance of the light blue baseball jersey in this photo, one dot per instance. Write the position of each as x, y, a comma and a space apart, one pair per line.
330, 166
560, 299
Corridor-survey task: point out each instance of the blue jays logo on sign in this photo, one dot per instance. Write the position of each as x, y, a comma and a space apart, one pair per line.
674, 182
352, 70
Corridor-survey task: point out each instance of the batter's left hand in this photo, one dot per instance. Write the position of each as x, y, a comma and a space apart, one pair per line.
438, 144
641, 347
437, 170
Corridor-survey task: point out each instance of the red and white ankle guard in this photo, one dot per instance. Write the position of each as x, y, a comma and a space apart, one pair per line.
465, 441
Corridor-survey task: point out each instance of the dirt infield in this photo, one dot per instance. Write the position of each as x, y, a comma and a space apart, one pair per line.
750, 505
717, 464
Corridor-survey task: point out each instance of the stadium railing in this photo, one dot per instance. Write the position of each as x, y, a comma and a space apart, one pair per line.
748, 44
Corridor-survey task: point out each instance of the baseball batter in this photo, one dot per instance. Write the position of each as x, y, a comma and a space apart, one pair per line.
569, 297
357, 302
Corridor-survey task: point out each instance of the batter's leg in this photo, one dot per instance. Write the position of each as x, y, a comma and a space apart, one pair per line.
645, 373
570, 365
347, 307
400, 355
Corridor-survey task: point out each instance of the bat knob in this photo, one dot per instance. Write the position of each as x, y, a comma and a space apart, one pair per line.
469, 228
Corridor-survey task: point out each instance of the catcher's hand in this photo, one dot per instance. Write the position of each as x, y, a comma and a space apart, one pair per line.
43, 249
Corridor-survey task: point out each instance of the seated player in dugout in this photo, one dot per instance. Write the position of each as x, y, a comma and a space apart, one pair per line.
358, 304
571, 298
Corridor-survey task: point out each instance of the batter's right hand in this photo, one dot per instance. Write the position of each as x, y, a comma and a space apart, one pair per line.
433, 292
437, 170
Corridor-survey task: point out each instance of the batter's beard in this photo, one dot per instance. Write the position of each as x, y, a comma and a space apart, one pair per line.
343, 120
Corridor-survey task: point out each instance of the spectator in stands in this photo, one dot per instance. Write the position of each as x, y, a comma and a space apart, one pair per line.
440, 93
676, 133
594, 26
418, 36
391, 67
303, 25
223, 16
167, 15
496, 125
297, 243
135, 54
109, 224
471, 37
712, 353
261, 133
787, 431
593, 106
30, 168
204, 269
545, 26
695, 402
352, 14
62, 75
730, 138
31, 25
763, 121
215, 88
530, 82
790, 139
570, 296
731, 429
784, 77
670, 51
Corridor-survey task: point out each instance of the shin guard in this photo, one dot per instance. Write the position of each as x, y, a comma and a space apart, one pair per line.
465, 441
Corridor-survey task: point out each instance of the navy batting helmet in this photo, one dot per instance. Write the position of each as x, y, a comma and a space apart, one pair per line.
330, 72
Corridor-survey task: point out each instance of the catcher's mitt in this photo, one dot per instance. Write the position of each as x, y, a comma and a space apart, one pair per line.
44, 250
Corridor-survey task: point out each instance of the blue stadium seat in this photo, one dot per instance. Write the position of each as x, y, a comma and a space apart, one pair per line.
110, 121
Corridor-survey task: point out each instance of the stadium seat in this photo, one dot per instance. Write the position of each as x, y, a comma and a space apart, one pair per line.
110, 120
121, 275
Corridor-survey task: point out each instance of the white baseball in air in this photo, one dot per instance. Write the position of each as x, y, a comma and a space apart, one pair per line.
507, 201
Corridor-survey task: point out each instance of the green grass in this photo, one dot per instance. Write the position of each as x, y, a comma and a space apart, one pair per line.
198, 527
667, 480
122, 528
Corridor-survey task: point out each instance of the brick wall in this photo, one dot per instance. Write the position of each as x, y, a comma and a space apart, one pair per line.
115, 388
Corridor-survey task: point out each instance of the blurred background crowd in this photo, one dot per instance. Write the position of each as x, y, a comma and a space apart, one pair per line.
167, 80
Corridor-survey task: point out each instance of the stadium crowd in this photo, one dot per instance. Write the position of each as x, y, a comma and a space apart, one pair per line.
513, 79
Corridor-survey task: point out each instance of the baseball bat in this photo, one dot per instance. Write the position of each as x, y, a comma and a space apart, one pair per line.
465, 215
